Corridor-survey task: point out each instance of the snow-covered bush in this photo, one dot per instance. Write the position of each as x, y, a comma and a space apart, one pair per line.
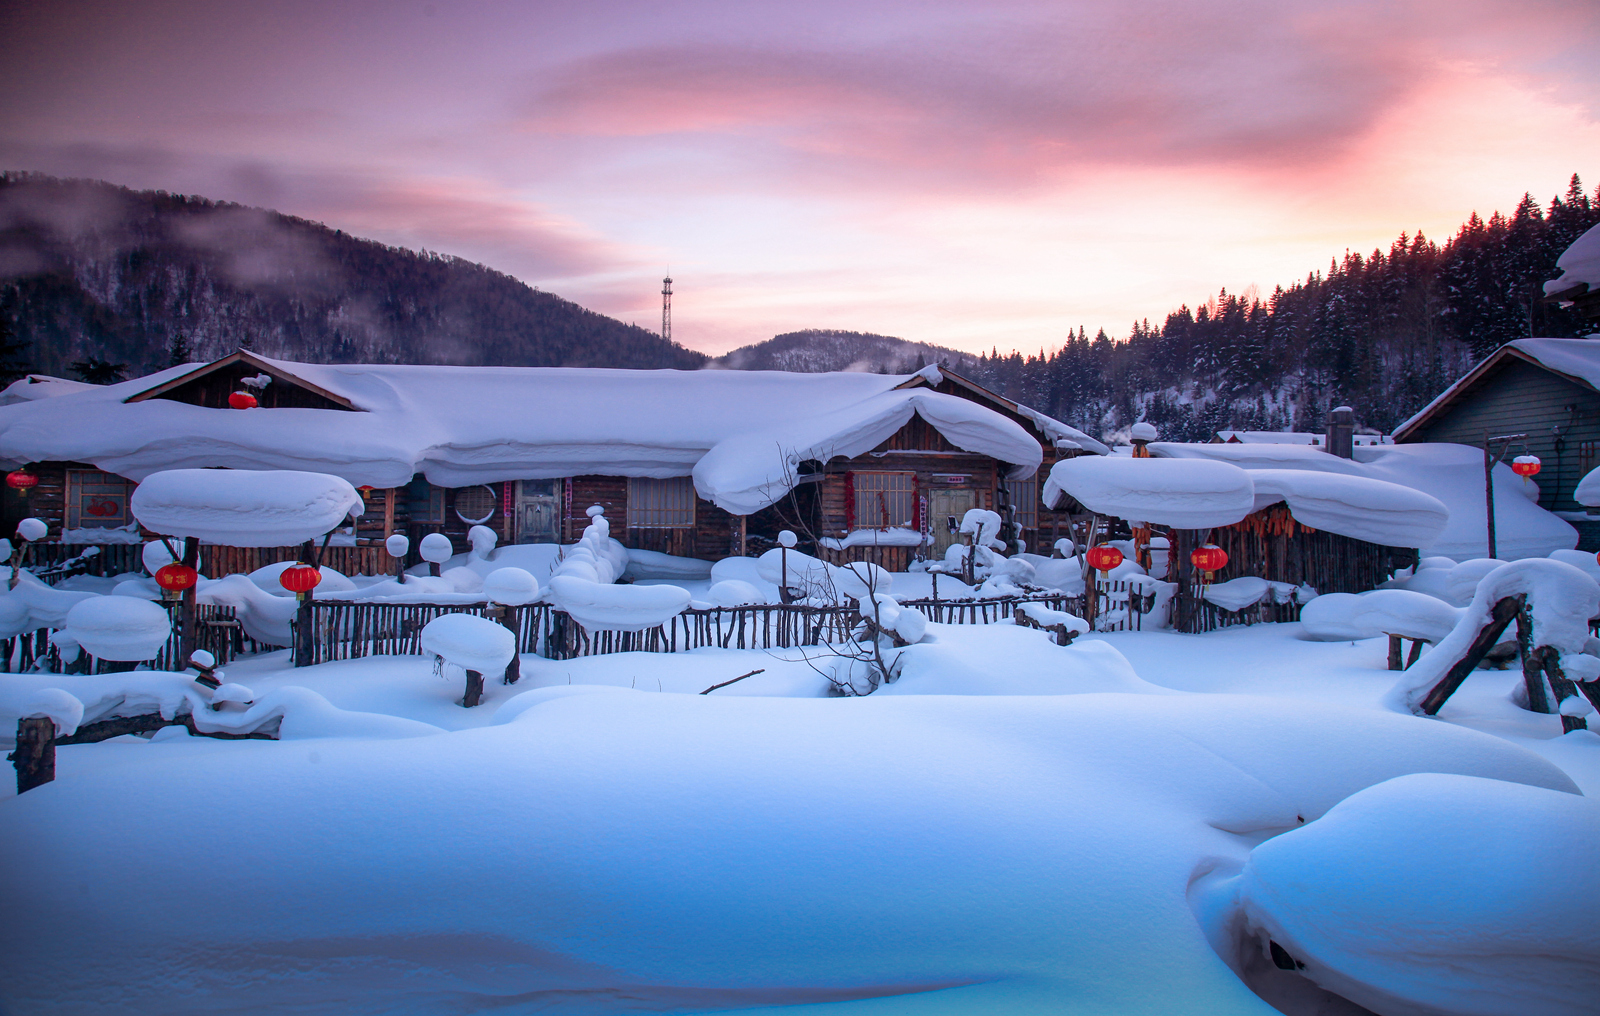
583, 585
511, 586
469, 642
1336, 617
117, 628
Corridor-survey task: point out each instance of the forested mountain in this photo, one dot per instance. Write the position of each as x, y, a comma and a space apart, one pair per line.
819, 349
1382, 333
100, 275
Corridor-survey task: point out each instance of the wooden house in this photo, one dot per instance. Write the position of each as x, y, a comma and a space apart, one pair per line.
702, 464
1545, 389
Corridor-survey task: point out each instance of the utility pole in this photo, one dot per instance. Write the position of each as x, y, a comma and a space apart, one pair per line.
666, 308
1489, 461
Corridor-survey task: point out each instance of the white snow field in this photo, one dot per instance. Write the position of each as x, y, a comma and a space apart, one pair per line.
1118, 826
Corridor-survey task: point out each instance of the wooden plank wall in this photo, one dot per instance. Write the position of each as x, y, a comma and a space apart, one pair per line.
1521, 398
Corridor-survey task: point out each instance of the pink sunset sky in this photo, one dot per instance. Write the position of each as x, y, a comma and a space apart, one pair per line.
969, 174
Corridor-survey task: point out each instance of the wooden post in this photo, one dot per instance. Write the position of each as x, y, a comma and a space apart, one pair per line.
1488, 491
35, 755
187, 625
388, 513
474, 693
508, 617
1394, 652
1415, 654
1488, 635
1532, 664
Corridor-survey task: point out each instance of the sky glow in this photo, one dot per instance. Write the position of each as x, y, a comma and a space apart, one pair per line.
973, 175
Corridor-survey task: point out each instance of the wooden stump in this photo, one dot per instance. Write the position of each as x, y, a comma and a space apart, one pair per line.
508, 617
474, 693
1395, 644
302, 632
35, 756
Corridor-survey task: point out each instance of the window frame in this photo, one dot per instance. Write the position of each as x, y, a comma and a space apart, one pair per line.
661, 502
874, 517
72, 511
1027, 501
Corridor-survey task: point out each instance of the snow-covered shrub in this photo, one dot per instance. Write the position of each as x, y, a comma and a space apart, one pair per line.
734, 593
469, 642
511, 586
118, 628
483, 540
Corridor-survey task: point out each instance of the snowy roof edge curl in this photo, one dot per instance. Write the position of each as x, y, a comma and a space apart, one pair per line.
1577, 359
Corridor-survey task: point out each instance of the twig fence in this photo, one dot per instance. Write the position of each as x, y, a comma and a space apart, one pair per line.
346, 630
217, 629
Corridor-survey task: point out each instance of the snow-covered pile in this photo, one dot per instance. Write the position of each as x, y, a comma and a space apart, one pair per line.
1434, 893
1579, 264
1339, 616
469, 642
116, 628
1185, 494
891, 537
242, 507
33, 605
511, 586
1588, 490
1561, 599
583, 585
1248, 590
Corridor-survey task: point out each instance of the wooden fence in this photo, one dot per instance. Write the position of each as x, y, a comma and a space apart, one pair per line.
53, 562
217, 631
345, 630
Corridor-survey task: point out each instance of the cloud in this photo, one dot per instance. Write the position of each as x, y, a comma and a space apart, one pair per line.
1028, 98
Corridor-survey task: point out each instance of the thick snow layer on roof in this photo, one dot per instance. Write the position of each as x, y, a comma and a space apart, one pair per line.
242, 507
41, 386
1356, 506
1169, 492
1385, 898
1451, 474
467, 425
1063, 435
1579, 264
750, 470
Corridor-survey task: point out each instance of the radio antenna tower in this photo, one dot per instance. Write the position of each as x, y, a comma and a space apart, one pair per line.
666, 308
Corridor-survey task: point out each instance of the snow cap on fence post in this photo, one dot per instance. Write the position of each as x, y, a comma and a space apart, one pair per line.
511, 587
436, 548
397, 545
787, 539
31, 529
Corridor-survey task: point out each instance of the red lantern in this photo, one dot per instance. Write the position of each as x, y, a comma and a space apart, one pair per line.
1525, 465
1104, 557
1209, 558
300, 579
20, 480
175, 578
242, 400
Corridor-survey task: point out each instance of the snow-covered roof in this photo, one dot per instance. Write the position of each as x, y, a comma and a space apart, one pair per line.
1450, 474
465, 425
1577, 359
1059, 434
1193, 494
1579, 264
1293, 437
1356, 506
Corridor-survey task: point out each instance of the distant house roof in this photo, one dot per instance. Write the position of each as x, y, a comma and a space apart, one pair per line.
1579, 281
1292, 437
740, 434
1577, 360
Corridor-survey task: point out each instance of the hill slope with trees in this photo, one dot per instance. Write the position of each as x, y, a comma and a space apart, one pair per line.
102, 276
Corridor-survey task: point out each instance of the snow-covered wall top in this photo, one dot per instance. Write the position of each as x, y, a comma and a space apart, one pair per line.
467, 425
1450, 474
1580, 263
1192, 494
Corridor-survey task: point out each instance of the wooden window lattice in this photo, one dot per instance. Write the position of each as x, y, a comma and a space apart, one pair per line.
661, 504
97, 500
884, 500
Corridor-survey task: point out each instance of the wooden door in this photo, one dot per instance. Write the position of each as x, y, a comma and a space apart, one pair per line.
943, 503
538, 511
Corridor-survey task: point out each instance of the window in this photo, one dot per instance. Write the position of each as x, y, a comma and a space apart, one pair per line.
97, 500
660, 504
425, 502
1025, 495
884, 501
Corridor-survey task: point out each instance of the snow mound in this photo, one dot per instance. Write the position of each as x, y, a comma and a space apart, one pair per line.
1588, 491
243, 507
269, 578
1246, 591
1335, 617
63, 709
512, 586
875, 538
470, 642
734, 593
652, 564
1183, 493
597, 605
1434, 893
119, 627
264, 616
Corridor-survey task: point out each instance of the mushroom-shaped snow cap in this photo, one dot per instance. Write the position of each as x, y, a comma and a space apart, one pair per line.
1183, 493
1143, 431
397, 545
32, 529
470, 642
511, 586
244, 507
787, 539
435, 548
119, 628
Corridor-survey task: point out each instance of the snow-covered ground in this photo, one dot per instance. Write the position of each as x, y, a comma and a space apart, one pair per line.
1011, 827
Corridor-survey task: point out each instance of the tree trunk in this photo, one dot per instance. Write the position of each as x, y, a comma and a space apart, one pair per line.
1499, 617
474, 693
508, 617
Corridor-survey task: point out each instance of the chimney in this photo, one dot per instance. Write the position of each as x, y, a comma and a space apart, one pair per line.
1341, 432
